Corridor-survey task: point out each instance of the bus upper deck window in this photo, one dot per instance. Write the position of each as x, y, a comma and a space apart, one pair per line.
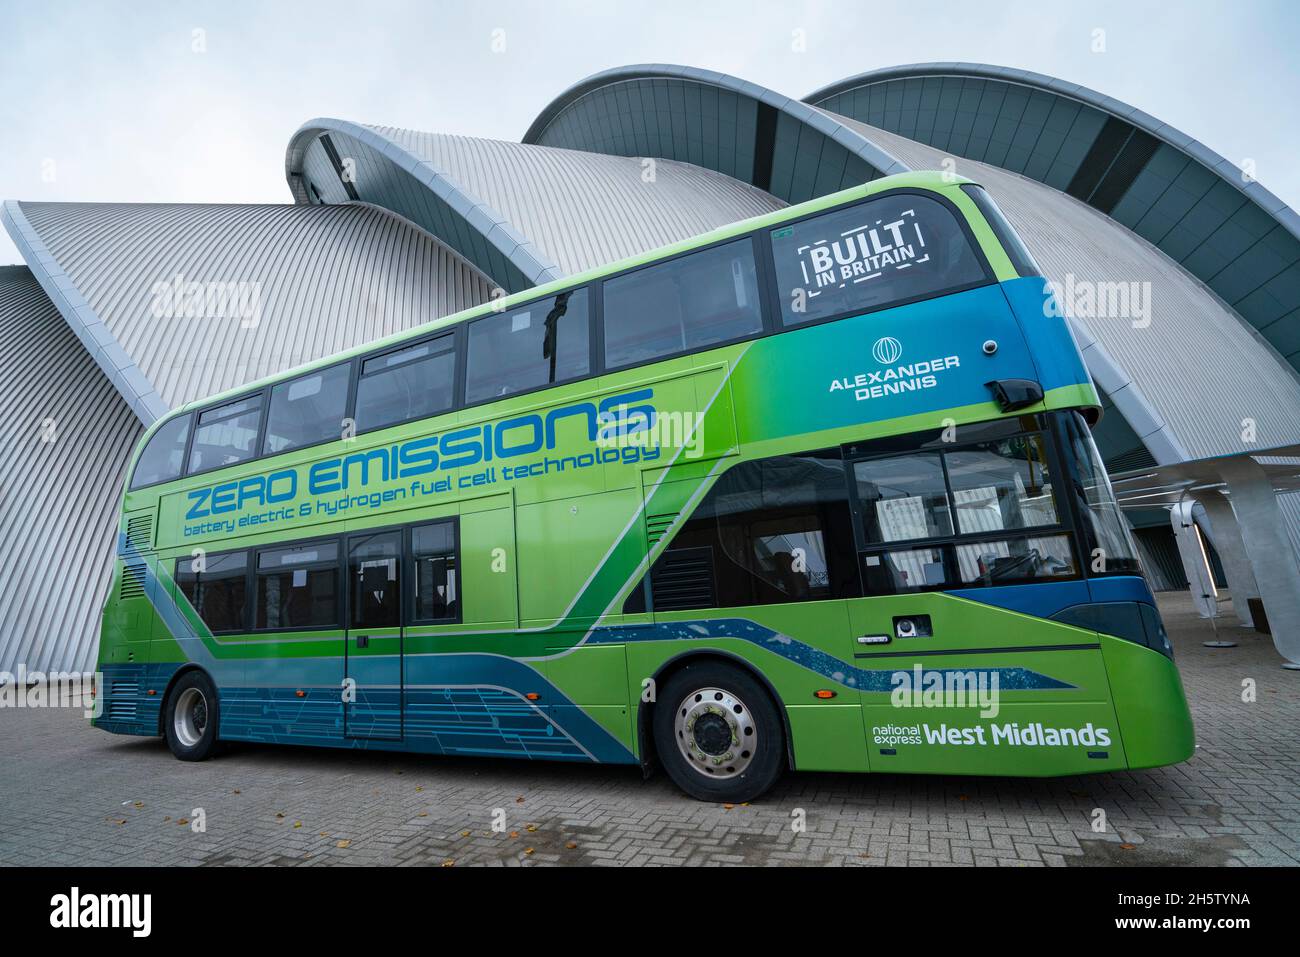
1021, 258
894, 249
162, 458
695, 301
307, 410
545, 342
410, 383
226, 435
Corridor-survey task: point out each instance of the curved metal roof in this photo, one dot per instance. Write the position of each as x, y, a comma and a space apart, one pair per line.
716, 121
67, 435
582, 210
383, 172
524, 214
1176, 193
314, 280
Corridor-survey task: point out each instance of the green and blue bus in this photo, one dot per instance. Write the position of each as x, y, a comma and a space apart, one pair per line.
813, 491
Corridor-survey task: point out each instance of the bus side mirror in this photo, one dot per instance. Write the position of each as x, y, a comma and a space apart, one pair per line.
1012, 394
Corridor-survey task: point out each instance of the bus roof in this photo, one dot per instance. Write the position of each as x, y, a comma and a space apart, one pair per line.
931, 180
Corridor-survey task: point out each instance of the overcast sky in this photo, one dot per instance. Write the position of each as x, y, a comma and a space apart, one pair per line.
118, 101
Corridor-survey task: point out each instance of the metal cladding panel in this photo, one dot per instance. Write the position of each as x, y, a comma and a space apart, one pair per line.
586, 209
302, 282
65, 438
1289, 504
712, 120
1202, 211
1204, 372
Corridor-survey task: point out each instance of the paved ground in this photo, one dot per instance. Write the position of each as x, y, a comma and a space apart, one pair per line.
72, 795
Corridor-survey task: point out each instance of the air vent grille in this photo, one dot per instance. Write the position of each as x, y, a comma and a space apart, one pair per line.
683, 578
133, 576
657, 526
139, 531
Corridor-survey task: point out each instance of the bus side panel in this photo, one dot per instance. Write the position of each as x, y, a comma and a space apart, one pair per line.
824, 737
126, 665
1027, 696
282, 688
1150, 704
594, 679
789, 647
562, 545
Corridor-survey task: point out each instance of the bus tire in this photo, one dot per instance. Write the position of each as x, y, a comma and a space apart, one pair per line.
191, 716
718, 733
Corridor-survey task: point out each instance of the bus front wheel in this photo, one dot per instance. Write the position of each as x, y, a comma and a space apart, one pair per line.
718, 733
190, 719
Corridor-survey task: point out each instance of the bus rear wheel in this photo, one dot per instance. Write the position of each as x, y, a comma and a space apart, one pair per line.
718, 733
190, 717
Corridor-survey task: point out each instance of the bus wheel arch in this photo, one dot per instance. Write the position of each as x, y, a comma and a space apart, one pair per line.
192, 737
645, 710
171, 683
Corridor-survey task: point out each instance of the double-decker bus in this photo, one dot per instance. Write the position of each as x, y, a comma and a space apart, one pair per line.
813, 491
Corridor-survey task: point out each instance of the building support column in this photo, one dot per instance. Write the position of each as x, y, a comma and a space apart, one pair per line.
1226, 536
1195, 565
1272, 558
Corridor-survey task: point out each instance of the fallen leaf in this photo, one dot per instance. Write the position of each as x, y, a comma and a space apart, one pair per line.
530, 827
343, 844
182, 820
1128, 847
420, 788
138, 805
514, 833
528, 850
571, 845
297, 824
324, 833
519, 800
118, 820
464, 833
423, 814
728, 807
279, 815
237, 791
449, 863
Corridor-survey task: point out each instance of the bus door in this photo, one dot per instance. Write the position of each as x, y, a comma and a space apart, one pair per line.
960, 545
373, 644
